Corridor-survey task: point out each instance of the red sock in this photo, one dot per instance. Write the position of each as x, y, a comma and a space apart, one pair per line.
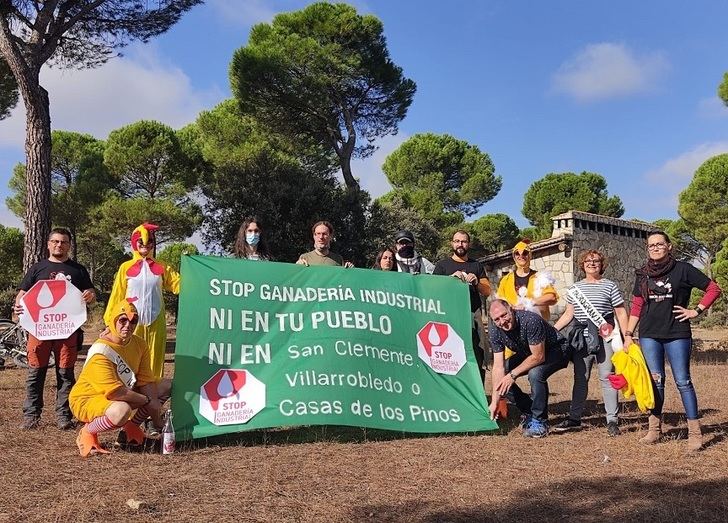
100, 424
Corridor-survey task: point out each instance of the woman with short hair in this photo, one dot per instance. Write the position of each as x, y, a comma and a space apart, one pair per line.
604, 296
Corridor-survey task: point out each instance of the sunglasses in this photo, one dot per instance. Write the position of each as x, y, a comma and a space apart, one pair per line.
524, 254
124, 320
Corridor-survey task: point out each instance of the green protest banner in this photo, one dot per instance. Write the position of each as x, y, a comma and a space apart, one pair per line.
263, 344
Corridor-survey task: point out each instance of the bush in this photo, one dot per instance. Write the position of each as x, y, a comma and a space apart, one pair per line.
7, 299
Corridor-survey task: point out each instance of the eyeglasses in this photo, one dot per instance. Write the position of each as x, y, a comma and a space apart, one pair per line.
656, 246
592, 262
125, 321
524, 254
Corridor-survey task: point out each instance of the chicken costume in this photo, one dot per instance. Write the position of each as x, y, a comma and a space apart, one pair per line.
142, 280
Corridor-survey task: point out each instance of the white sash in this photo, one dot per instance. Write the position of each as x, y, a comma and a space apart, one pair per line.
596, 318
122, 367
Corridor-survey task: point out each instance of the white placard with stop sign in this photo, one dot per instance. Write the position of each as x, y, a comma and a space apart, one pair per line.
53, 309
441, 348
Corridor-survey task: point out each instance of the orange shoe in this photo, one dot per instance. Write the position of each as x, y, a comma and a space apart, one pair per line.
88, 444
134, 433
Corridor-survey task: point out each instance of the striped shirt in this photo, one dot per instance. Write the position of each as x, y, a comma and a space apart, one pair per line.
603, 294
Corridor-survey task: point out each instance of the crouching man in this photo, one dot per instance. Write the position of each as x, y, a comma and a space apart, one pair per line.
117, 388
540, 351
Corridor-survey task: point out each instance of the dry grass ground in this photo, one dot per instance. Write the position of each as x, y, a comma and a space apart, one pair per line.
344, 474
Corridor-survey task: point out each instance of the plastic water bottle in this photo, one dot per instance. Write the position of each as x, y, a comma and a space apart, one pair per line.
168, 440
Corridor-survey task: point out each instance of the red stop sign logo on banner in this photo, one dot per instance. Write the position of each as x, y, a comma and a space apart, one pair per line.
231, 396
441, 348
53, 309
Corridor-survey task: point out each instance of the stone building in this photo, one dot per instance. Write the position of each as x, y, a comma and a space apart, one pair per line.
621, 241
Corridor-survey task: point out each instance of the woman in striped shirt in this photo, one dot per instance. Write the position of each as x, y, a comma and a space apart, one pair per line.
604, 295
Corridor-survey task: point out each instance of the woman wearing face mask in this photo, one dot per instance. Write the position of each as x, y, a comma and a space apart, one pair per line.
661, 294
385, 260
250, 244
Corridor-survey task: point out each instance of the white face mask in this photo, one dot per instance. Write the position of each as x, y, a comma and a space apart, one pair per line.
252, 238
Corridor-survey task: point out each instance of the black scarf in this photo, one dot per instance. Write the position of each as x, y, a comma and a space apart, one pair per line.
654, 269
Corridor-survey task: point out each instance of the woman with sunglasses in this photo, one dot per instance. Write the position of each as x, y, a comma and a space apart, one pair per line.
661, 294
525, 288
605, 297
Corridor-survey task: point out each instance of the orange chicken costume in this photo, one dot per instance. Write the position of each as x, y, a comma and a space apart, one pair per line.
142, 280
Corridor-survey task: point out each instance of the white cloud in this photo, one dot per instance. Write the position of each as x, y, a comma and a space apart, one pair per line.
663, 184
125, 90
608, 70
369, 170
679, 171
245, 13
712, 108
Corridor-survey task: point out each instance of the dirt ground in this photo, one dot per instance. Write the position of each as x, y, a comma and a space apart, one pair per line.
344, 474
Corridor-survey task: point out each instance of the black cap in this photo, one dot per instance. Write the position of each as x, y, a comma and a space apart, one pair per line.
404, 234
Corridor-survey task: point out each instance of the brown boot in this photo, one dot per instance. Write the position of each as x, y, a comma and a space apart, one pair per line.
654, 430
695, 435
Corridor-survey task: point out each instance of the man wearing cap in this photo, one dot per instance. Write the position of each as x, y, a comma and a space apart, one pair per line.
525, 288
58, 266
408, 259
539, 351
323, 233
472, 273
117, 379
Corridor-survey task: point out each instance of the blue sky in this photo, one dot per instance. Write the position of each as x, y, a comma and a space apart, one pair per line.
625, 89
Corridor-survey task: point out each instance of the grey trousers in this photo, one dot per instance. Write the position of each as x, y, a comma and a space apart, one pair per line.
582, 371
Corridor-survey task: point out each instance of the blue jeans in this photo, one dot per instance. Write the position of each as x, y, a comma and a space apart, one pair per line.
537, 404
678, 354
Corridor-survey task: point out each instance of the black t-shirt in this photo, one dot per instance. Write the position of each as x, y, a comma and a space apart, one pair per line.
657, 319
448, 267
48, 270
529, 329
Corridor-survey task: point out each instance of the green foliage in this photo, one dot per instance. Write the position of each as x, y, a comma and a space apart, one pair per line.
443, 178
389, 215
323, 73
534, 233
723, 89
8, 90
177, 218
703, 205
147, 159
253, 172
17, 200
557, 193
172, 253
11, 256
495, 233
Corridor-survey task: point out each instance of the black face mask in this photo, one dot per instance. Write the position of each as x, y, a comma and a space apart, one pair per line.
406, 251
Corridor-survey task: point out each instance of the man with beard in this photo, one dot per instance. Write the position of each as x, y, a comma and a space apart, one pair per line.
323, 233
57, 266
408, 259
472, 273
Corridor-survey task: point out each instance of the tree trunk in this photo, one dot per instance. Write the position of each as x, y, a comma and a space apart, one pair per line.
38, 173
349, 179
